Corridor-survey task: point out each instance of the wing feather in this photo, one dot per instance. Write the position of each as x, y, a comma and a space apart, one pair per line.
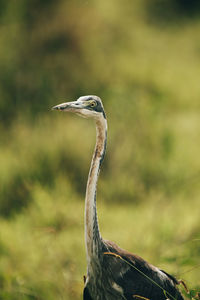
137, 277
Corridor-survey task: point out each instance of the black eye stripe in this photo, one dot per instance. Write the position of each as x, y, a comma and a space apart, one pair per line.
89, 98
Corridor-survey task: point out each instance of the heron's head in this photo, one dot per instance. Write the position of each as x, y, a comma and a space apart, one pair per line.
86, 106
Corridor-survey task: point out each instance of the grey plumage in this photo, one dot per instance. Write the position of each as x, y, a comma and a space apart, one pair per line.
122, 275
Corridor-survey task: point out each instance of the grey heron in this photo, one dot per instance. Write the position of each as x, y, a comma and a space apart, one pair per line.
113, 273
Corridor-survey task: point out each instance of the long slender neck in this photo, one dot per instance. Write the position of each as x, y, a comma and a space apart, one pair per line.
92, 234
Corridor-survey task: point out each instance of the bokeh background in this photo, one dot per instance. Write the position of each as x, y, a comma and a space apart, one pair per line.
142, 58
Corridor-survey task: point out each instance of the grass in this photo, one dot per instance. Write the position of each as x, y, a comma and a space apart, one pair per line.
42, 241
147, 74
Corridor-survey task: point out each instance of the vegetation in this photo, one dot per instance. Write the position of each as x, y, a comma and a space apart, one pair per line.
143, 60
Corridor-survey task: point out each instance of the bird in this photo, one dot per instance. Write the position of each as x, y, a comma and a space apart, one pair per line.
112, 272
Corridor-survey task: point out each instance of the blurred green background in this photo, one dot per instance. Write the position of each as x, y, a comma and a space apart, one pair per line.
142, 58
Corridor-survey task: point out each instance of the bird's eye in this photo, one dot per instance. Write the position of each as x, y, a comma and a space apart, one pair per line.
93, 104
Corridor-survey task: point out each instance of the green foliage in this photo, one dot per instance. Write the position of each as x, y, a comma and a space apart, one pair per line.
148, 195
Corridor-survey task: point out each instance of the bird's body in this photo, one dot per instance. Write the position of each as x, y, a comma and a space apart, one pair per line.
123, 275
113, 273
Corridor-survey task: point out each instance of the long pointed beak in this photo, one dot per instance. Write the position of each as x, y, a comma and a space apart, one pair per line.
69, 106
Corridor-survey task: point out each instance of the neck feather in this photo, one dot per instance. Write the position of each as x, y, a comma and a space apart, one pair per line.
92, 234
